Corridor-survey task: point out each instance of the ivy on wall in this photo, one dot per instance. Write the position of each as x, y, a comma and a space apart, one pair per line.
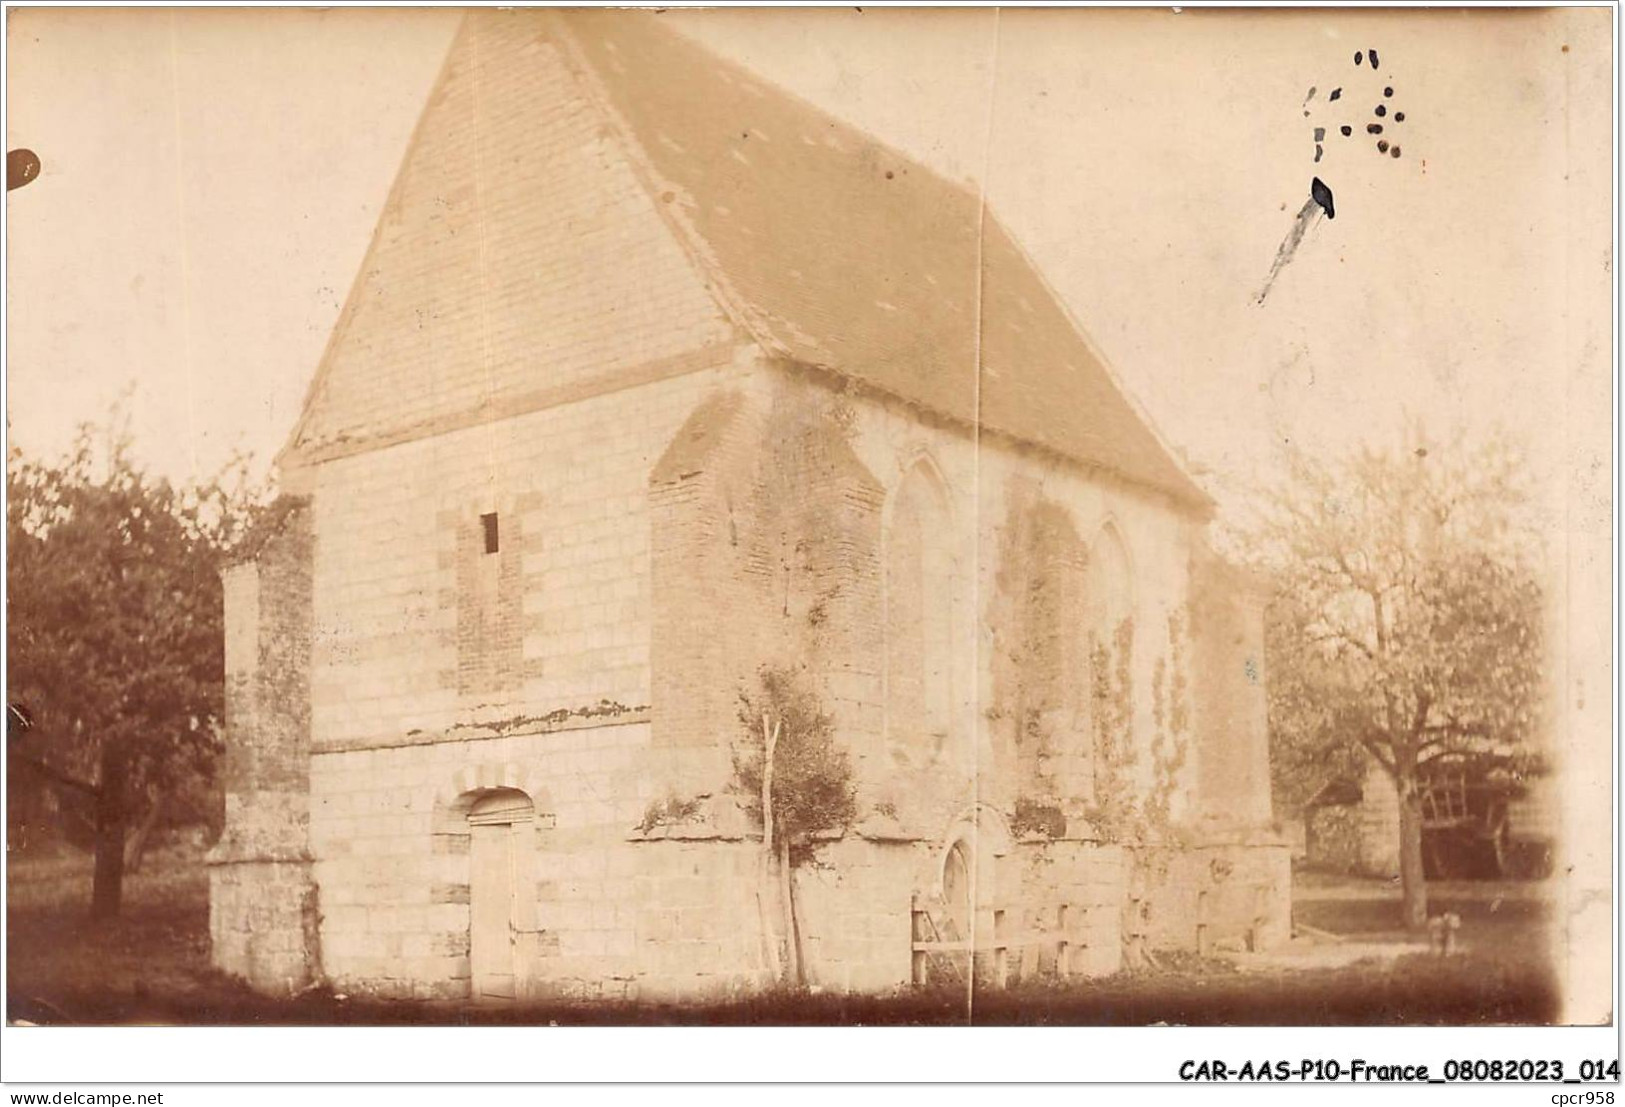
1119, 814
1170, 743
1111, 690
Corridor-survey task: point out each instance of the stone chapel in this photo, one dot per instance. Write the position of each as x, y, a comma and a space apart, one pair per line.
654, 374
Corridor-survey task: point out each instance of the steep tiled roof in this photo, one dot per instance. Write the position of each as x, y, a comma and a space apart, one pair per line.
835, 250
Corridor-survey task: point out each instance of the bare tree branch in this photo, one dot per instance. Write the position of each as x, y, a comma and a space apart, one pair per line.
55, 775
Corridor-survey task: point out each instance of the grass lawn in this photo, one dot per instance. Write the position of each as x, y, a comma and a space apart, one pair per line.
151, 965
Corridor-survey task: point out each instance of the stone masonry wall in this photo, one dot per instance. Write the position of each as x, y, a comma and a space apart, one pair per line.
524, 341
714, 534
518, 260
1214, 897
605, 498
1227, 636
765, 548
398, 572
889, 444
1010, 511
616, 914
1087, 880
262, 902
1054, 907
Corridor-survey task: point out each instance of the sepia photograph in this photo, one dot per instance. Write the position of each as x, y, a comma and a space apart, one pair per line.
570, 516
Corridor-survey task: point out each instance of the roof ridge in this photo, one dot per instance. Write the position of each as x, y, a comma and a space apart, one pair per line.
692, 240
758, 322
810, 251
737, 308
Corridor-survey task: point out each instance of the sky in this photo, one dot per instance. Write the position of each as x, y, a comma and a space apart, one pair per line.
211, 178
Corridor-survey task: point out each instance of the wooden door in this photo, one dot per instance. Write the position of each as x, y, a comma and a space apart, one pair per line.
491, 910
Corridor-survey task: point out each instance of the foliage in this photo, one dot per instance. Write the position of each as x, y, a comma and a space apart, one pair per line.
813, 790
1035, 818
1406, 617
670, 811
1111, 669
114, 633
1405, 622
1170, 745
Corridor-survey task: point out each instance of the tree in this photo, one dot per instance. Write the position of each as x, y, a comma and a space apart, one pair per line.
114, 633
797, 783
1406, 618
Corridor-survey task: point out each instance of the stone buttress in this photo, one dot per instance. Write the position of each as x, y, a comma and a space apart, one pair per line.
263, 914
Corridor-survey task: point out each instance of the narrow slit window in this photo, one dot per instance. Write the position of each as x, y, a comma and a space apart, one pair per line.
488, 523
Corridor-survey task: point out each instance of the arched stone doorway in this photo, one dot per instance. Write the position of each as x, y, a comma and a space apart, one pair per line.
501, 824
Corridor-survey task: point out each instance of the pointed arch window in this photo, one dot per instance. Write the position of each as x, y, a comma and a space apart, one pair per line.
1111, 585
921, 590
1111, 646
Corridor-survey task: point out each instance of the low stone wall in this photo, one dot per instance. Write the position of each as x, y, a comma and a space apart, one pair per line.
613, 911
1040, 901
854, 904
695, 920
1211, 897
1087, 878
664, 913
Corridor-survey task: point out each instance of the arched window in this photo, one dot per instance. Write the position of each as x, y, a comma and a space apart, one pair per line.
1111, 585
920, 600
1053, 662
1111, 647
957, 892
1053, 615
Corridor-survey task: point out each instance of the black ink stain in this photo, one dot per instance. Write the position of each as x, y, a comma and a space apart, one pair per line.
1336, 94
1321, 195
1381, 111
1318, 153
1311, 210
1372, 57
1346, 131
1382, 146
1395, 151
1373, 128
1320, 133
1399, 117
1389, 91
1359, 57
